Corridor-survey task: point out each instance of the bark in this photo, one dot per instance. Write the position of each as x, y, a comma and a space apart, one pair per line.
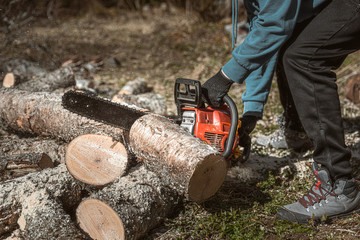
13, 166
61, 78
150, 101
15, 145
42, 114
37, 202
128, 208
96, 159
197, 169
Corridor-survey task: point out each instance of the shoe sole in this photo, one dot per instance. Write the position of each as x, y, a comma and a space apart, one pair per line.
328, 218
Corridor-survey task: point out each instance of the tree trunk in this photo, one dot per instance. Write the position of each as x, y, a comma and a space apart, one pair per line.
128, 208
42, 114
13, 166
61, 78
15, 145
96, 159
39, 202
197, 169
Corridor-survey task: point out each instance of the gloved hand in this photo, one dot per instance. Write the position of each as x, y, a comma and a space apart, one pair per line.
215, 88
248, 124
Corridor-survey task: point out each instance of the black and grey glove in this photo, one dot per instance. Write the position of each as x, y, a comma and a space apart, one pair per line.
215, 88
248, 124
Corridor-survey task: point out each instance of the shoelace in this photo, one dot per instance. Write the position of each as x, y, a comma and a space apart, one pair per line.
313, 197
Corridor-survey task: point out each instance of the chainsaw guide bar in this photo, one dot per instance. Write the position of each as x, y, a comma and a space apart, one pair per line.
101, 109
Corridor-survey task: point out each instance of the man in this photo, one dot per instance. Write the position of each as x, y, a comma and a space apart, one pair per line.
307, 39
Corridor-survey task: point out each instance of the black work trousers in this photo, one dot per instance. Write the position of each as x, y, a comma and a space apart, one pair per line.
307, 84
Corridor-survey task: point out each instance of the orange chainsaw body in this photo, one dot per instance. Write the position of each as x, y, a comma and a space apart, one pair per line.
212, 126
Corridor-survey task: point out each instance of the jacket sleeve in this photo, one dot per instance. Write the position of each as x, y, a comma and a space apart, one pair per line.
269, 29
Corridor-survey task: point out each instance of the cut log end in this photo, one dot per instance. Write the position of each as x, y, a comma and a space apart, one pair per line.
96, 159
207, 178
9, 80
99, 220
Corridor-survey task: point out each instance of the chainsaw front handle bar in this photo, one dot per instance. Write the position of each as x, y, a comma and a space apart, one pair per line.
233, 128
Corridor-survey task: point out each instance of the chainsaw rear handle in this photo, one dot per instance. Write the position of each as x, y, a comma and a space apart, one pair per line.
233, 128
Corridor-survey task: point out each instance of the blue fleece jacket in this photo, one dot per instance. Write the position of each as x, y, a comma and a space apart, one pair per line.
271, 23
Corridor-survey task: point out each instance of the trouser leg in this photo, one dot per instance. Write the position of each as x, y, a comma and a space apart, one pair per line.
290, 114
308, 63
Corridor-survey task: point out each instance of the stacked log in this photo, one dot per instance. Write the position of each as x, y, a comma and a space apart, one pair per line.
42, 114
13, 166
196, 169
174, 165
60, 78
138, 93
151, 101
17, 71
15, 145
128, 208
38, 204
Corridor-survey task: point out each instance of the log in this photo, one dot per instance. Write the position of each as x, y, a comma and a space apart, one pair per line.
9, 80
150, 101
42, 114
12, 79
136, 86
39, 203
128, 208
96, 159
352, 88
13, 166
60, 78
25, 70
197, 169
15, 145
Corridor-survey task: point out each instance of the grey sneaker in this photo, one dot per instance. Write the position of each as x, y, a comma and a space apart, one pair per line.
324, 200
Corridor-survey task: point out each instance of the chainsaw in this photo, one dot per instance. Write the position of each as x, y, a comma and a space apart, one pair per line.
216, 126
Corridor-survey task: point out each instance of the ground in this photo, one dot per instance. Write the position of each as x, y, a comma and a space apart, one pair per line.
161, 46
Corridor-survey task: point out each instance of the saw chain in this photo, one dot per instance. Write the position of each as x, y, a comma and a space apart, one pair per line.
101, 109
